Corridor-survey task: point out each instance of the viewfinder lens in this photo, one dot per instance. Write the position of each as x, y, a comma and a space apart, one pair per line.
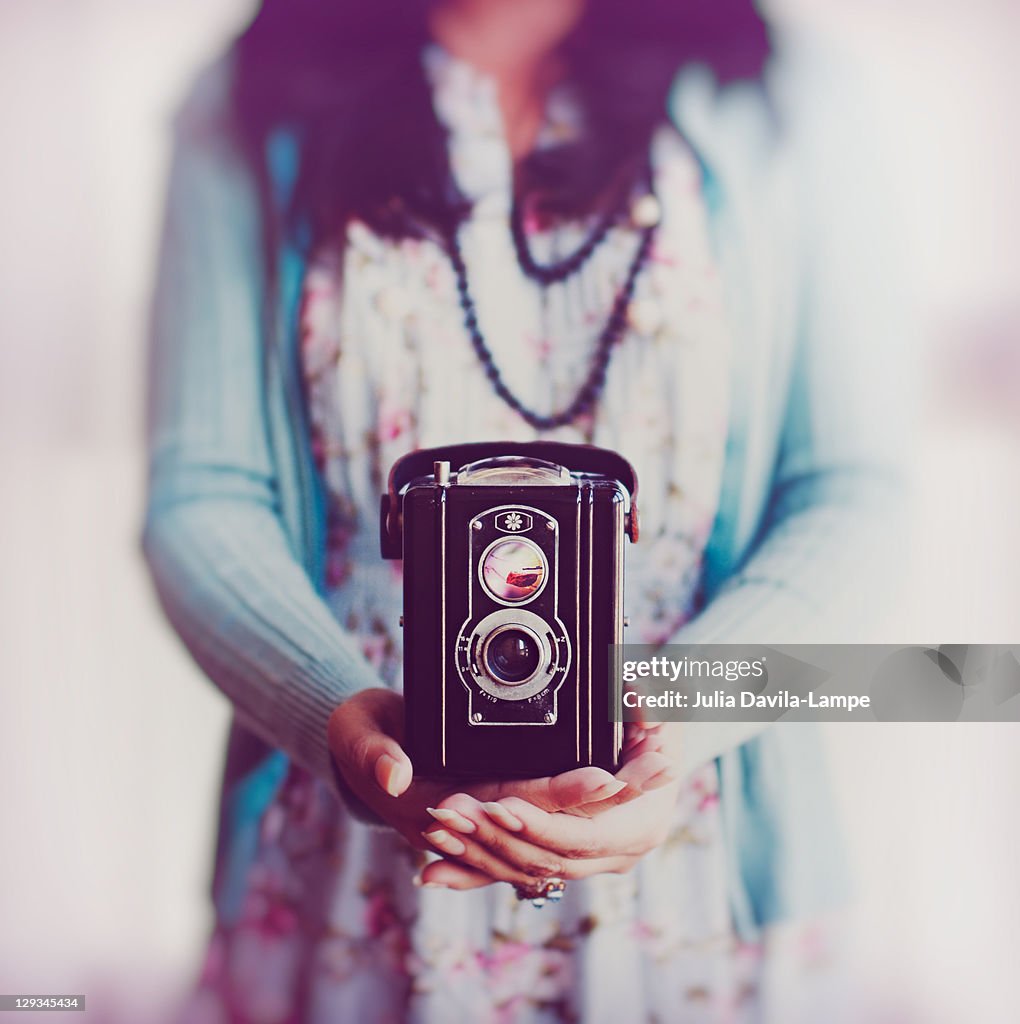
513, 570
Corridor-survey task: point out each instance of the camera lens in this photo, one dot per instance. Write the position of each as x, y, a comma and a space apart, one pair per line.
512, 655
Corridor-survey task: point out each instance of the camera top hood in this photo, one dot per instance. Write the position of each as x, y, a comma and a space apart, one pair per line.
513, 471
503, 463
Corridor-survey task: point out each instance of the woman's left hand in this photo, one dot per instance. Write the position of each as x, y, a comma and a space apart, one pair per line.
513, 841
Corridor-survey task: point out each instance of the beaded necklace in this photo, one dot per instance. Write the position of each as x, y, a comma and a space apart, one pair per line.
645, 215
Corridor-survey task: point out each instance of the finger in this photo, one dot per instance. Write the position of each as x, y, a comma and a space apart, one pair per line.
636, 717
481, 844
393, 771
539, 843
536, 864
632, 736
539, 850
649, 739
648, 743
365, 747
635, 735
464, 851
569, 837
558, 792
448, 875
387, 707
649, 770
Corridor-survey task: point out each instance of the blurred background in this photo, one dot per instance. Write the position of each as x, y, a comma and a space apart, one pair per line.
110, 741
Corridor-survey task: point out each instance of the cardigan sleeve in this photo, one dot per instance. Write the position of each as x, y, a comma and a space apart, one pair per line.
822, 562
820, 566
224, 566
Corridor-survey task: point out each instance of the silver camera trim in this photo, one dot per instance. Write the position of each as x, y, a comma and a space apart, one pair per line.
499, 622
510, 538
560, 654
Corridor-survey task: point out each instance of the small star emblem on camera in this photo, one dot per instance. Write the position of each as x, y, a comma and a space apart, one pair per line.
513, 522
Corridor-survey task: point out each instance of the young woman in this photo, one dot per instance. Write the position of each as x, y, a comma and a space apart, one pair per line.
398, 225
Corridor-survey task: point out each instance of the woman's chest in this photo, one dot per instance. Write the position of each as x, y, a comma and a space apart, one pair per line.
390, 365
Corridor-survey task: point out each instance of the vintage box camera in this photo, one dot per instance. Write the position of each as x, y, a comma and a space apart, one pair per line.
513, 592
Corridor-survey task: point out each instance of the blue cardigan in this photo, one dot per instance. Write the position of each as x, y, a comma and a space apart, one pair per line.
234, 527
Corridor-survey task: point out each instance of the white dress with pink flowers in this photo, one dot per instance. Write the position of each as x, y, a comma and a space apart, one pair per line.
333, 929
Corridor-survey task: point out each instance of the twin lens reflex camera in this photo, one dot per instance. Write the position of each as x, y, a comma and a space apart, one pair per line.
513, 567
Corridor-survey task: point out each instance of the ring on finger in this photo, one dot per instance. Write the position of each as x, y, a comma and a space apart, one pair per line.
547, 890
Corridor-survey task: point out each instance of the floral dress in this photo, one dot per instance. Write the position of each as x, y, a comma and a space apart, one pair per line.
333, 929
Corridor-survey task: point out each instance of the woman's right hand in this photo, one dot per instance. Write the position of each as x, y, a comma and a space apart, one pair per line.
365, 735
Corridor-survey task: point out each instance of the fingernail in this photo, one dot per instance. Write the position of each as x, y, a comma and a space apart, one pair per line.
388, 767
502, 816
608, 789
420, 883
455, 820
664, 778
442, 840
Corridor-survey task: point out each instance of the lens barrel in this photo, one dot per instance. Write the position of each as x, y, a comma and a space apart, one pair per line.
512, 655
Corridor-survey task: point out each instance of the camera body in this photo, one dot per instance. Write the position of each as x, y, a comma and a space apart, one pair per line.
513, 571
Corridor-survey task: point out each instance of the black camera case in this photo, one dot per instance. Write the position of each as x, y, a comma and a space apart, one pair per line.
513, 571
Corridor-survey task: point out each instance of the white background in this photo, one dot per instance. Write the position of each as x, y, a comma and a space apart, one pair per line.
110, 742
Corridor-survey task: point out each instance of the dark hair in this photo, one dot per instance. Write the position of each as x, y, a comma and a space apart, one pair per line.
345, 76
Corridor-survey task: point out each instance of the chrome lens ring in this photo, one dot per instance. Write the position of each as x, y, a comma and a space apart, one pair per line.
529, 628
